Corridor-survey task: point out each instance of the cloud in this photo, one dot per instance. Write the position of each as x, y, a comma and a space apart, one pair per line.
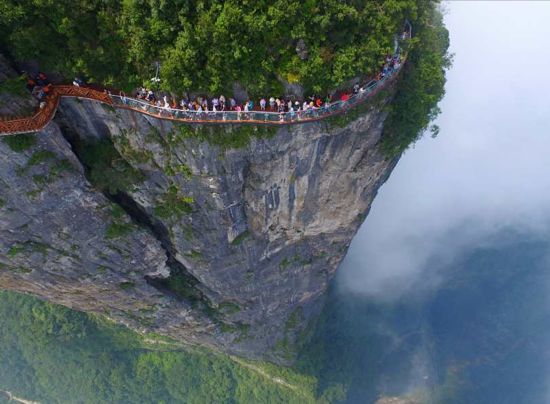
486, 171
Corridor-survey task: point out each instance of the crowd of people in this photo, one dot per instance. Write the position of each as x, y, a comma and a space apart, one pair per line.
273, 104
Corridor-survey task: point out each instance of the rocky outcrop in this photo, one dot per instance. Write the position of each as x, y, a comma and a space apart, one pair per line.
223, 236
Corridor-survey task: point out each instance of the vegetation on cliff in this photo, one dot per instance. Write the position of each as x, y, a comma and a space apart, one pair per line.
207, 45
421, 87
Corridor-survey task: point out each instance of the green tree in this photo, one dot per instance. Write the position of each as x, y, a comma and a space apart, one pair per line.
421, 87
206, 45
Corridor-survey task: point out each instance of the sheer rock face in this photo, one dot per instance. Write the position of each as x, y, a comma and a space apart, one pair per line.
269, 225
54, 243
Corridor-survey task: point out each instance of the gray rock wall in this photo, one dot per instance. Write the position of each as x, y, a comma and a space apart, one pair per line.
267, 226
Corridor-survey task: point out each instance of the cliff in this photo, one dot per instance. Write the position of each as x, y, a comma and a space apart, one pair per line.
224, 236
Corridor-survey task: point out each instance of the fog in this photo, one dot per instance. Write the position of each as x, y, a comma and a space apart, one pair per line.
487, 169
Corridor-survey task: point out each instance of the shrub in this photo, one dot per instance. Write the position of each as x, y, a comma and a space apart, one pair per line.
14, 86
39, 157
115, 230
236, 137
172, 204
126, 285
15, 250
107, 170
22, 142
240, 238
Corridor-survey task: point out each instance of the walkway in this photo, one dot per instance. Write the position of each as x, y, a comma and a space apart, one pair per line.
38, 121
45, 115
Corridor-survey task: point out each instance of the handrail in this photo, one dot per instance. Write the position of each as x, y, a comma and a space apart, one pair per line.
38, 121
255, 117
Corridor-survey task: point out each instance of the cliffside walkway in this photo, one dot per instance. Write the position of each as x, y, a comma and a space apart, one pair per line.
38, 121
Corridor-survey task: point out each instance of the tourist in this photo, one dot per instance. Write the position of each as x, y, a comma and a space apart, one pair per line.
122, 96
262, 104
38, 93
31, 84
41, 79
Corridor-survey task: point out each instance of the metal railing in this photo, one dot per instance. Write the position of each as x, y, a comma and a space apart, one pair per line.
257, 117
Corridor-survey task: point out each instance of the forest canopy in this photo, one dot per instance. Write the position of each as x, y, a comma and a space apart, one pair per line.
207, 45
51, 354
